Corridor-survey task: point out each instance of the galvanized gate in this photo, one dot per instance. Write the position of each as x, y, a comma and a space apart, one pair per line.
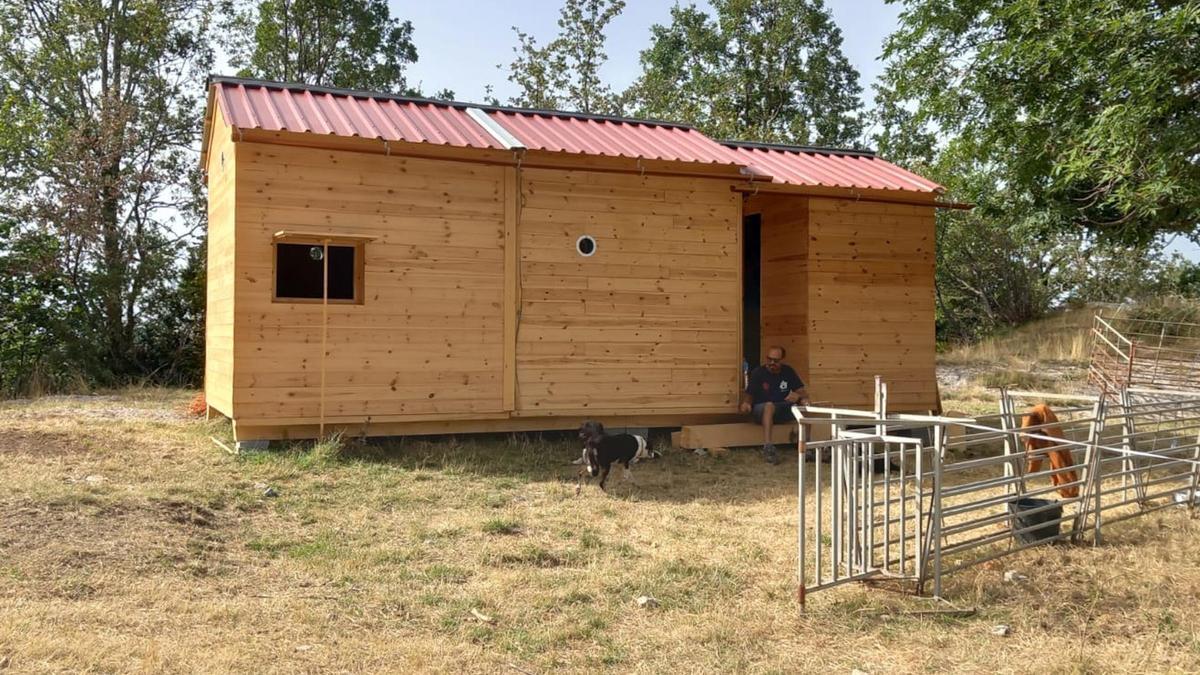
913, 497
863, 523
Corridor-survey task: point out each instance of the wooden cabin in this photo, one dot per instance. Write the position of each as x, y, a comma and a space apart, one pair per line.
390, 266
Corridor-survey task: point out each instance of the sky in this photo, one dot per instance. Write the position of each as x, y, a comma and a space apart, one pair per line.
460, 49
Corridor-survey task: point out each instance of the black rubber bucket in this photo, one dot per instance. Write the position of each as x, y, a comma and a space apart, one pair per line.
1038, 527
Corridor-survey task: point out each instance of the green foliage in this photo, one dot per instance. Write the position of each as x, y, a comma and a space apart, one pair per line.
355, 44
35, 337
1179, 278
985, 278
993, 273
171, 340
1073, 129
766, 71
1087, 111
539, 71
565, 73
101, 112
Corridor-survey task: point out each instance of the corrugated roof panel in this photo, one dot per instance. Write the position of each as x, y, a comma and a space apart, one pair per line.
612, 137
831, 169
249, 105
253, 104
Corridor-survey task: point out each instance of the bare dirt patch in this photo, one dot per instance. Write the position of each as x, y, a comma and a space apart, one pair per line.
85, 534
16, 442
107, 407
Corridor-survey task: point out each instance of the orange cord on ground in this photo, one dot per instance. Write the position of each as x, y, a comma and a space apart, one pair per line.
1059, 458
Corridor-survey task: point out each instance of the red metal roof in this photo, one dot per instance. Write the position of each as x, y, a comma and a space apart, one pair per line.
612, 137
273, 106
830, 168
251, 105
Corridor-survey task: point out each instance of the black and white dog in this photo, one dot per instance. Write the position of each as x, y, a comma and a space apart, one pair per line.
601, 451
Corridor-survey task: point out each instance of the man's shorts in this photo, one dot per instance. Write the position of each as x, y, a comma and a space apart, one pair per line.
783, 412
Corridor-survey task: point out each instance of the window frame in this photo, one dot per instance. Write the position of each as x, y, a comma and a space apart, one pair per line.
357, 243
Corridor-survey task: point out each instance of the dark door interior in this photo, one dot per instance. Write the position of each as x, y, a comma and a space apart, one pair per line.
751, 290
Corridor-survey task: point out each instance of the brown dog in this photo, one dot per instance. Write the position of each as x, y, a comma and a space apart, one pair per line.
1059, 458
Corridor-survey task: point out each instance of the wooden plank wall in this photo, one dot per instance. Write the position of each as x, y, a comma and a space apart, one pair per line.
218, 328
871, 302
784, 285
429, 339
651, 322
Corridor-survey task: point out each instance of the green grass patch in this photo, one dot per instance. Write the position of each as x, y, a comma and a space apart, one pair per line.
450, 574
501, 526
532, 555
322, 546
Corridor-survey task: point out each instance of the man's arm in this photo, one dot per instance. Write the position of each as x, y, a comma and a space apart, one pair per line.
798, 396
798, 393
747, 403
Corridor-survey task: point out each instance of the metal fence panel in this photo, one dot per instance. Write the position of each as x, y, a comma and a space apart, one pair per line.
914, 497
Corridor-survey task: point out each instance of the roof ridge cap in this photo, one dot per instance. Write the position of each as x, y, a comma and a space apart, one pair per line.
808, 149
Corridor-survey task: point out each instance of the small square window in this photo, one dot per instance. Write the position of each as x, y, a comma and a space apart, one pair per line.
300, 268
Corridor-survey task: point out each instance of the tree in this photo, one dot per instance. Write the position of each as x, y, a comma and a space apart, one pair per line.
566, 72
987, 277
760, 70
539, 72
1180, 277
33, 307
1087, 110
172, 337
355, 44
101, 109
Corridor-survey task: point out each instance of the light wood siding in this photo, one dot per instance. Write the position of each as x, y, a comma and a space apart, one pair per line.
651, 321
785, 278
427, 341
218, 327
871, 302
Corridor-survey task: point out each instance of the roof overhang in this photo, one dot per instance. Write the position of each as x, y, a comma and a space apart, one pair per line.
206, 135
854, 194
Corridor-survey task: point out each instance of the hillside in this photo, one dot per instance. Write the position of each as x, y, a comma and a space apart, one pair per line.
1047, 355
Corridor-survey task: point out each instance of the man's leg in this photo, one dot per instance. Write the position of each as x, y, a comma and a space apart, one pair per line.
767, 421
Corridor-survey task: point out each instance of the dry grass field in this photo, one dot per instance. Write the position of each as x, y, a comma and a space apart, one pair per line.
130, 543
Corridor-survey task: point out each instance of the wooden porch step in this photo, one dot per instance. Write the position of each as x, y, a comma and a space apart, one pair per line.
737, 435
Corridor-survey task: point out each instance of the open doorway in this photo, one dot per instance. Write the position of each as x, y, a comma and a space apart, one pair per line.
751, 288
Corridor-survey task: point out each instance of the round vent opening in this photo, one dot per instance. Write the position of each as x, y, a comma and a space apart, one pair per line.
586, 246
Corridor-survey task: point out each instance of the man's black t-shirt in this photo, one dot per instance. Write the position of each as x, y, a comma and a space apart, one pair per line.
766, 386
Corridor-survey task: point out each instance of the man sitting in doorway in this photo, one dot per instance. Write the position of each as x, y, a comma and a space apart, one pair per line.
773, 388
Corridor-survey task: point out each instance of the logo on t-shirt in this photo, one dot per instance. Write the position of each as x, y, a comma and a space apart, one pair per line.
783, 385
